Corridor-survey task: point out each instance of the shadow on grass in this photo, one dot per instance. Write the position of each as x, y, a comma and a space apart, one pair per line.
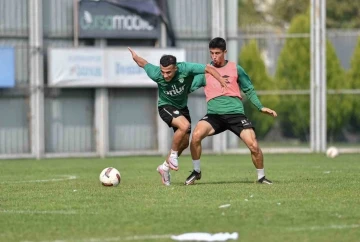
218, 183
225, 182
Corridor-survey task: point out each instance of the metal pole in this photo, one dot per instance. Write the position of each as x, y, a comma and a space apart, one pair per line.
162, 128
102, 114
218, 30
76, 22
318, 76
323, 105
232, 46
36, 78
312, 78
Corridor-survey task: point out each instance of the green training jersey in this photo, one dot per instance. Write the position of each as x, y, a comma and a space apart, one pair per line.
176, 91
226, 104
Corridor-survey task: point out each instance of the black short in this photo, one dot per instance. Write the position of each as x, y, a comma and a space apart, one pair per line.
168, 112
233, 122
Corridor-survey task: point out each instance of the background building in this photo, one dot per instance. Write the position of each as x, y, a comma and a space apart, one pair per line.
39, 120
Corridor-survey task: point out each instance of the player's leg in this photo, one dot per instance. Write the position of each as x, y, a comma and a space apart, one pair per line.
168, 114
202, 130
175, 118
184, 143
243, 128
249, 138
181, 124
207, 126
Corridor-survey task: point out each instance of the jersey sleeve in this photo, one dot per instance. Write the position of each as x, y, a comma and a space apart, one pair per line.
247, 87
198, 82
191, 69
153, 72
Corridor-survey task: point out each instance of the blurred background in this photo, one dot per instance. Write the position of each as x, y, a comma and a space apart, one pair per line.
68, 86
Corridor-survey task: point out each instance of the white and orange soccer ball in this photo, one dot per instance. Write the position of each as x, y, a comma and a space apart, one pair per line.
332, 152
110, 177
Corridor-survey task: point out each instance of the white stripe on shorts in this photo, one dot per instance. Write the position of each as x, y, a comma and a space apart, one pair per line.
167, 112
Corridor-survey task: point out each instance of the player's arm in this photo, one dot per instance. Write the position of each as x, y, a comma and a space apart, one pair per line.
212, 71
151, 70
198, 82
141, 62
249, 90
195, 68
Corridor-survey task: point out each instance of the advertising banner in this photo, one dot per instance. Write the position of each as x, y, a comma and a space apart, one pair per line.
81, 66
100, 19
110, 67
7, 67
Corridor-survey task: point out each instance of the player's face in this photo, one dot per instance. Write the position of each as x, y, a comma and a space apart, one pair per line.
218, 56
168, 72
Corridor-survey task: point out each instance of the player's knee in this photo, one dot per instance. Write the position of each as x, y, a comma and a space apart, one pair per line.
196, 137
184, 127
254, 147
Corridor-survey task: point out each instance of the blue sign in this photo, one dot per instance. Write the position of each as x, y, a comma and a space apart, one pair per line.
7, 67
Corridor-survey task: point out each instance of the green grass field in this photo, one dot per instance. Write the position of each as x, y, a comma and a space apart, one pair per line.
313, 198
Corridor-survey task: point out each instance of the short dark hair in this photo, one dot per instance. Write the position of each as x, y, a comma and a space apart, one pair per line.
218, 42
167, 60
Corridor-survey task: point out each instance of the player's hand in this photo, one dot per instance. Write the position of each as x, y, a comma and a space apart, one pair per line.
224, 84
139, 60
269, 111
133, 53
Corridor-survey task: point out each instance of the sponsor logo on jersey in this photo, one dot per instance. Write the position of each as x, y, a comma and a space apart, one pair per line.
175, 91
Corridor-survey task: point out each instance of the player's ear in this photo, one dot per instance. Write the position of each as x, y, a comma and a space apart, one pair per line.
225, 51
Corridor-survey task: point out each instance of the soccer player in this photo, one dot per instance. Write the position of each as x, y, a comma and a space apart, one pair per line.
174, 81
225, 110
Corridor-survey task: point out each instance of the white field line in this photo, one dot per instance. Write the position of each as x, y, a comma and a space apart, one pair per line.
61, 212
64, 178
38, 212
344, 226
103, 239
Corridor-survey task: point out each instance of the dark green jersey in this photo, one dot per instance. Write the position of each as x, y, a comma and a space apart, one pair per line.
175, 92
229, 105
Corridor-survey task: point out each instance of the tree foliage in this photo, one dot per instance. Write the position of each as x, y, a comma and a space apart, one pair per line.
251, 61
340, 13
293, 73
339, 106
283, 11
354, 78
248, 14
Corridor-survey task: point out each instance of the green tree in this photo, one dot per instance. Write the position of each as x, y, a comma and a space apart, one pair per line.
248, 15
354, 77
293, 72
342, 14
283, 11
339, 13
250, 60
339, 106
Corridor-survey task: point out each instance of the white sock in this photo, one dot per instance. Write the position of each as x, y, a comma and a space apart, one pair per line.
260, 173
165, 166
174, 153
196, 165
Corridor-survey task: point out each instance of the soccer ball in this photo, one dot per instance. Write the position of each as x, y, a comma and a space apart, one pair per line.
332, 152
110, 177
